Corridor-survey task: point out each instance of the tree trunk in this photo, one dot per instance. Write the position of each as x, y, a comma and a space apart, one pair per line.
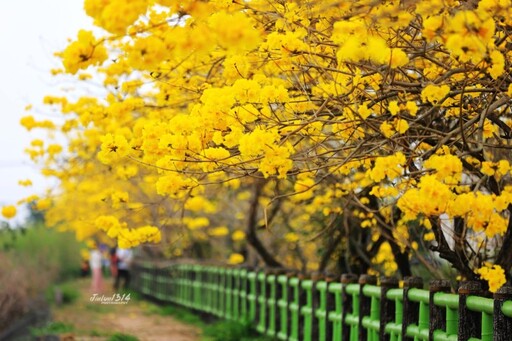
252, 221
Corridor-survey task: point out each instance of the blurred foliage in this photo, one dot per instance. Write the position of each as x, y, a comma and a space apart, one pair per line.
31, 258
63, 293
37, 247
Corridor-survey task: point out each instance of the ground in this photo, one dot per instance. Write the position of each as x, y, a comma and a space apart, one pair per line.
139, 318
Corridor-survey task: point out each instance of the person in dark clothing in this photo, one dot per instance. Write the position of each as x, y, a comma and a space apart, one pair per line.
113, 262
124, 260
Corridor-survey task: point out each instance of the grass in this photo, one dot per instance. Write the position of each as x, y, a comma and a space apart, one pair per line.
122, 337
63, 293
178, 313
48, 250
52, 328
219, 330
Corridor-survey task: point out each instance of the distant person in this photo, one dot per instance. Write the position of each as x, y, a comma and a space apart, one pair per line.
113, 261
95, 264
84, 268
124, 262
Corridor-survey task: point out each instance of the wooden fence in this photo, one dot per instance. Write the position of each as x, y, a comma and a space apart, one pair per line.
289, 306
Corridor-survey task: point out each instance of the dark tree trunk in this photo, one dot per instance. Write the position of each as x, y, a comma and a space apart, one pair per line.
252, 225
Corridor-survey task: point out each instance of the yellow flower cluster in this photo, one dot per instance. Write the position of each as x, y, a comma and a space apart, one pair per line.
115, 15
434, 94
236, 258
30, 123
430, 198
113, 148
448, 168
385, 260
494, 275
85, 51
390, 167
127, 238
9, 211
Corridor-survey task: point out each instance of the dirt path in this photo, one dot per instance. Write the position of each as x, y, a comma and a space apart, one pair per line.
97, 320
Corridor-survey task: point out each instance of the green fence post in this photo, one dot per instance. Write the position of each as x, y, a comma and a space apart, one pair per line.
164, 280
335, 314
365, 306
347, 306
352, 314
171, 289
208, 289
410, 308
215, 291
502, 321
183, 282
152, 278
470, 322
188, 286
451, 303
283, 304
308, 308
175, 283
244, 298
387, 306
484, 308
236, 294
274, 292
198, 287
229, 293
221, 293
325, 300
252, 295
394, 329
419, 331
262, 302
295, 304
181, 279
159, 294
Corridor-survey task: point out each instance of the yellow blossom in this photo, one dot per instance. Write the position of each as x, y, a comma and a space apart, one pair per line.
238, 235
434, 94
9, 211
85, 51
219, 231
494, 275
236, 258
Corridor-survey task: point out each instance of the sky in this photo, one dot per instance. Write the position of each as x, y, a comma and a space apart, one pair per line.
30, 32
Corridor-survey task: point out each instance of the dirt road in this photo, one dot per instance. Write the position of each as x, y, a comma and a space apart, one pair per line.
98, 319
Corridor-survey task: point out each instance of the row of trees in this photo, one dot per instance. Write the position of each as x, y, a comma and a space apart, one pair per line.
333, 135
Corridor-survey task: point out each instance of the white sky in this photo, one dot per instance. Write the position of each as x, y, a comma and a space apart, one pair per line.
30, 32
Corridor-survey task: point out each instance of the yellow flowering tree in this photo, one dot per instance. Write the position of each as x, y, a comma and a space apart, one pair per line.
386, 120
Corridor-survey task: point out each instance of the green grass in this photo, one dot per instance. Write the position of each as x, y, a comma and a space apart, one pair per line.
179, 313
68, 291
220, 330
122, 337
52, 328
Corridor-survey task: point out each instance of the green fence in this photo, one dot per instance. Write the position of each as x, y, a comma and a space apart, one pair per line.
288, 306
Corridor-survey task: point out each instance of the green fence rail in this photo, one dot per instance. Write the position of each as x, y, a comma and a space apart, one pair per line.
292, 307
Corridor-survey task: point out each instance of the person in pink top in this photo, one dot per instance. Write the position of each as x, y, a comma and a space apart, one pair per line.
95, 262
